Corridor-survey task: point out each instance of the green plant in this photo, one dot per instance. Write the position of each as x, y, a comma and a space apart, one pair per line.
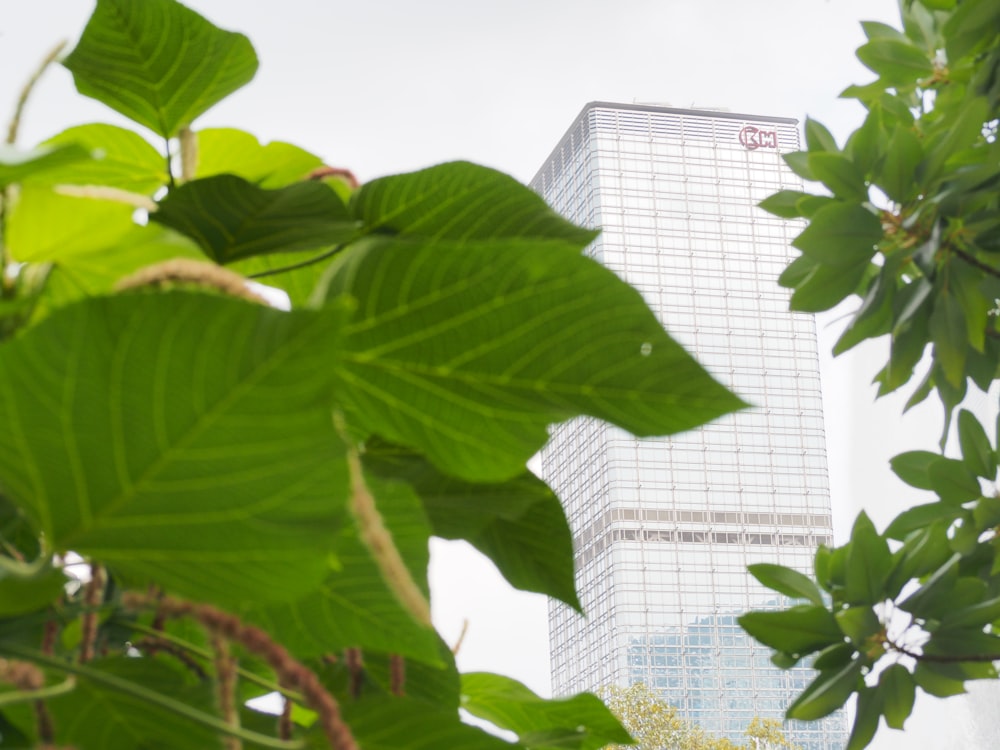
911, 225
252, 489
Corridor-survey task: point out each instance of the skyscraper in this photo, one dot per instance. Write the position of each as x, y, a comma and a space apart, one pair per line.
664, 529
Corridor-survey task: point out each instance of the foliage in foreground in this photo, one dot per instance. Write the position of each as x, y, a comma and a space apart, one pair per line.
656, 725
911, 225
252, 490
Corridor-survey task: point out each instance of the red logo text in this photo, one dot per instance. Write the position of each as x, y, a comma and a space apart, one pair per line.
752, 138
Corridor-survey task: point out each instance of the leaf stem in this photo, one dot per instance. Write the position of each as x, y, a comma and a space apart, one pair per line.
150, 696
940, 658
50, 691
301, 264
29, 86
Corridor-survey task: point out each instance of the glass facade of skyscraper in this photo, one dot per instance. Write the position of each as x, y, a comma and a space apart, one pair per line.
664, 529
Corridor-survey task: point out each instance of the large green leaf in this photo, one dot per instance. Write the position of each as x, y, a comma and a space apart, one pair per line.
122, 159
868, 563
354, 607
828, 692
467, 350
180, 438
519, 524
581, 722
460, 201
16, 165
271, 165
898, 62
158, 63
786, 581
231, 218
840, 235
798, 630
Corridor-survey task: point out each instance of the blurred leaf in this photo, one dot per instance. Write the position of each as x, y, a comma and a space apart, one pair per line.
784, 203
122, 159
866, 716
158, 63
841, 235
127, 440
897, 692
977, 451
19, 596
897, 175
896, 61
858, 624
231, 218
828, 692
950, 336
977, 615
818, 137
786, 581
953, 482
918, 517
798, 630
268, 166
519, 524
17, 164
840, 174
581, 722
439, 356
914, 468
827, 286
868, 563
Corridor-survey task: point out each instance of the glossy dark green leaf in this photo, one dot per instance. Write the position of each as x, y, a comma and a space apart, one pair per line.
918, 517
841, 175
953, 482
581, 722
896, 61
128, 438
834, 657
977, 451
939, 680
231, 218
914, 468
16, 164
798, 630
519, 524
121, 158
866, 717
786, 581
897, 174
858, 624
897, 692
934, 594
873, 318
827, 286
841, 235
950, 336
798, 162
923, 551
442, 354
868, 563
976, 615
964, 643
158, 63
459, 201
827, 692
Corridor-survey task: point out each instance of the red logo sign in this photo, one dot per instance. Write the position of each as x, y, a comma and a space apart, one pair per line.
752, 138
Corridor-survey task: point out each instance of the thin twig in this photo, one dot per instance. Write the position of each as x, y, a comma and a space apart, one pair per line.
22, 100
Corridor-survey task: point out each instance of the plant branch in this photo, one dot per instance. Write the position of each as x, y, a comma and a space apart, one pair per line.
974, 261
50, 691
150, 696
940, 658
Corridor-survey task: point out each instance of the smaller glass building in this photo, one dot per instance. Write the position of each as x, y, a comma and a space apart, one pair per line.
664, 529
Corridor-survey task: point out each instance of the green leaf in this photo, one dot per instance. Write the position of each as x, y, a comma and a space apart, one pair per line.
834, 657
786, 581
20, 596
462, 202
827, 286
935, 594
158, 63
953, 482
354, 607
868, 563
784, 203
17, 165
950, 336
923, 551
383, 723
270, 166
797, 630
798, 162
866, 716
920, 516
128, 721
977, 451
581, 722
818, 137
895, 685
976, 615
467, 350
897, 173
968, 643
897, 62
841, 235
231, 218
122, 159
858, 624
126, 439
828, 692
519, 524
840, 174
939, 680
914, 467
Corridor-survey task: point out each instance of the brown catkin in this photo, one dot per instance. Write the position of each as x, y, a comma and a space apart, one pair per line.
355, 670
196, 272
397, 675
92, 598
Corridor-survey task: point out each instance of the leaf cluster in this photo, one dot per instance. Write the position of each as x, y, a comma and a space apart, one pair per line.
249, 491
910, 223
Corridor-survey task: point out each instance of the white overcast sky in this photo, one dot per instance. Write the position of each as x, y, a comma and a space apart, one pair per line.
383, 86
